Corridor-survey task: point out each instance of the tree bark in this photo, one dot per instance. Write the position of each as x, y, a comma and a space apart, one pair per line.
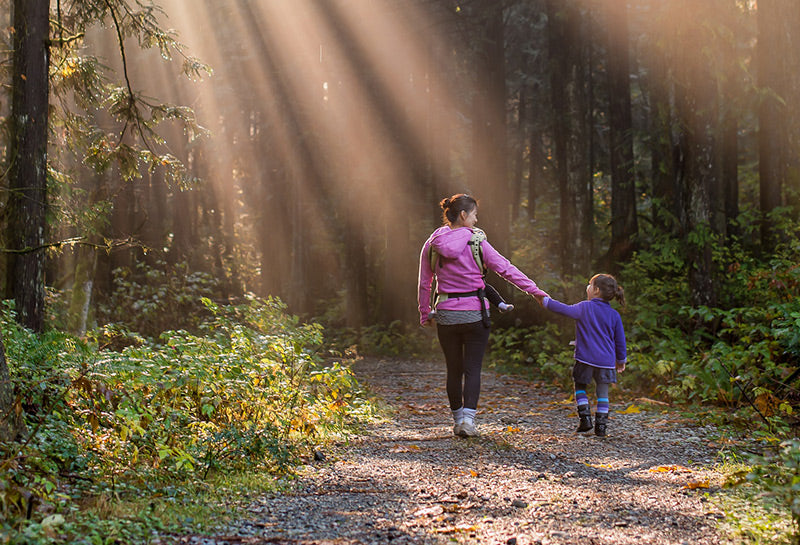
698, 107
571, 123
27, 202
667, 202
624, 226
489, 178
772, 113
12, 424
730, 171
558, 82
519, 153
82, 287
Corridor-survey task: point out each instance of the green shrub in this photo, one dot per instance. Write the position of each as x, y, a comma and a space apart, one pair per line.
249, 392
545, 352
152, 299
398, 339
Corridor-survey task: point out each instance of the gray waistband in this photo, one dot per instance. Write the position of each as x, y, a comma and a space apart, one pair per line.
454, 317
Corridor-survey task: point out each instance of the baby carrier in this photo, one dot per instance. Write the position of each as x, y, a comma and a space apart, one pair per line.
437, 297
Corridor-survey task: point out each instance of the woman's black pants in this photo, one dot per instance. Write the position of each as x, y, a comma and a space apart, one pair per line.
463, 346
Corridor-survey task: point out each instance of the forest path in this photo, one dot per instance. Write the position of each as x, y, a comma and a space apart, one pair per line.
528, 479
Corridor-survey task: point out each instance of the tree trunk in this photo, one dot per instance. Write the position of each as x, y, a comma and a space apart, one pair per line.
624, 225
571, 125
730, 171
772, 112
698, 109
536, 171
355, 273
558, 82
27, 202
666, 208
489, 140
12, 424
519, 153
82, 284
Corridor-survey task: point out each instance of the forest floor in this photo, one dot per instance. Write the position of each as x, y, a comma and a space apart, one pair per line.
529, 478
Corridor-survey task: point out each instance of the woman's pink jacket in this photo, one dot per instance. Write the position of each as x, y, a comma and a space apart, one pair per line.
457, 271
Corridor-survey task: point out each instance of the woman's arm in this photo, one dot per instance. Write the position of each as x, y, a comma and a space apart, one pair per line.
503, 267
424, 283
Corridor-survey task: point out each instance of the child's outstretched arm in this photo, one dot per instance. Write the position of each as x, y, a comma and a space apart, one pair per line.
570, 311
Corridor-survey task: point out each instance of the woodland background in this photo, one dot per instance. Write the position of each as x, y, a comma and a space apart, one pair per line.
278, 159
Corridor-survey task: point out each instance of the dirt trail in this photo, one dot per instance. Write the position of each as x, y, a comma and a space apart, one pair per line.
528, 479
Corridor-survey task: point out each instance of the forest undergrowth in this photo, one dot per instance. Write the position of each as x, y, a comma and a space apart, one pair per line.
126, 436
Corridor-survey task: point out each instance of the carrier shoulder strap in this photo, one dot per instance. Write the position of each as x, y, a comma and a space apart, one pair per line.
478, 236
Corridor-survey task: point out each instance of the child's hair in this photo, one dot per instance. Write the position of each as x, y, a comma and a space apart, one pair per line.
453, 206
608, 287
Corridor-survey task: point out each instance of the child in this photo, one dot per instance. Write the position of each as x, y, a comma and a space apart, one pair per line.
599, 346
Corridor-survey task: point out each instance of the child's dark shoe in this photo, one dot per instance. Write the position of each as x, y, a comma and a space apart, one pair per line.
600, 421
585, 414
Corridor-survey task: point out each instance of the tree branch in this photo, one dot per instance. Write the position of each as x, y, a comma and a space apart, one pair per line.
75, 241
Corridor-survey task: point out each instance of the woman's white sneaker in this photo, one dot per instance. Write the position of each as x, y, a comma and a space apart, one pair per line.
468, 429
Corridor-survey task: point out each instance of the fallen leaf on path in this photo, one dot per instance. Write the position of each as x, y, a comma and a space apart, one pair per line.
668, 469
651, 401
405, 448
512, 429
632, 409
600, 466
693, 485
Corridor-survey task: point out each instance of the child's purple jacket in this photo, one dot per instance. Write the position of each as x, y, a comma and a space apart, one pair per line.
457, 271
599, 336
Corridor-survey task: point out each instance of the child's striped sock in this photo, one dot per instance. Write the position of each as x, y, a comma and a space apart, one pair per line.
602, 405
581, 398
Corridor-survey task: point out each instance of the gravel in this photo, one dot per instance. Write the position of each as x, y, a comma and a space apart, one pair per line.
529, 478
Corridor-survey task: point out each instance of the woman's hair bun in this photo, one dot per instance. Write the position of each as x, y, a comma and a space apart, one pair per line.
445, 204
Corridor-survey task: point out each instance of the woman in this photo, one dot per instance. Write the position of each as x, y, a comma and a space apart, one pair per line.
458, 305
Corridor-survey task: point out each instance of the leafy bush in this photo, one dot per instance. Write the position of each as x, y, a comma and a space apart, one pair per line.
249, 393
398, 339
150, 300
779, 476
545, 351
763, 503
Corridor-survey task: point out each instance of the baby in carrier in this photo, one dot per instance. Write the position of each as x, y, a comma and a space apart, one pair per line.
494, 297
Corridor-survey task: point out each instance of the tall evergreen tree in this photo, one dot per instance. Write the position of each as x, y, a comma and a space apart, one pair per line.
27, 204
624, 224
773, 132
